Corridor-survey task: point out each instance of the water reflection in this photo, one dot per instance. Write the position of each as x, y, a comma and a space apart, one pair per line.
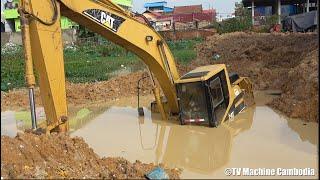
197, 148
258, 137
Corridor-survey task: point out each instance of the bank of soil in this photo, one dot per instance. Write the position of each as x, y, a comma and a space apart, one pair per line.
288, 62
60, 156
84, 93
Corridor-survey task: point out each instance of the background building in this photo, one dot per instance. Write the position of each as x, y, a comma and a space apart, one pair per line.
179, 17
260, 9
160, 6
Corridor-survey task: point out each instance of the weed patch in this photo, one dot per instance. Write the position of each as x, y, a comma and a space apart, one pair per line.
88, 62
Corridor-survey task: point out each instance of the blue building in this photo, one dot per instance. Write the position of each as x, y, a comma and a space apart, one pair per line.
286, 10
281, 8
160, 6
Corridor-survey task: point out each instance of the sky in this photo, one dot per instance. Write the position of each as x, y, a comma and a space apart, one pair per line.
223, 7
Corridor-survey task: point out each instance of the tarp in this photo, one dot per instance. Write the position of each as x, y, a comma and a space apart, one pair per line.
301, 22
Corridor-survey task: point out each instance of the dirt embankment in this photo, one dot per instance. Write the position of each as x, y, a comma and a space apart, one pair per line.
288, 62
85, 93
300, 88
60, 156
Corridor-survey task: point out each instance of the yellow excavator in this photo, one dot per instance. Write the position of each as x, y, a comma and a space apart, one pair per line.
206, 94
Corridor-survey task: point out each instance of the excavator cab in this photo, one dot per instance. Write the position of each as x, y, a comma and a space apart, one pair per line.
204, 95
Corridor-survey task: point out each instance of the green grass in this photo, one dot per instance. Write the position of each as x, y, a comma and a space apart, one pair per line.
12, 69
89, 63
89, 68
184, 50
184, 56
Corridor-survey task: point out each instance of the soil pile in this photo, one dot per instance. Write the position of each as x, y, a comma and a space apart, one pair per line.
288, 62
300, 90
60, 156
84, 93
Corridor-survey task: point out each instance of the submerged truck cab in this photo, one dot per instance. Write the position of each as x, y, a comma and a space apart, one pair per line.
208, 95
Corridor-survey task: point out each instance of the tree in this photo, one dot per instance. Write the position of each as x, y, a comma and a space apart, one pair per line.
241, 21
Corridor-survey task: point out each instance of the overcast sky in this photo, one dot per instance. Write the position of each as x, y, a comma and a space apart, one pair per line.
222, 6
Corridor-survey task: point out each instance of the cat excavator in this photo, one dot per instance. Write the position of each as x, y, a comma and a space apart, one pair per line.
206, 94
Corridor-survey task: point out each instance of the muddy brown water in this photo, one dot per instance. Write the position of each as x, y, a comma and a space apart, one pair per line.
257, 138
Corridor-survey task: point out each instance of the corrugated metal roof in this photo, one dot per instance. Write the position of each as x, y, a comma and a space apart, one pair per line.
187, 9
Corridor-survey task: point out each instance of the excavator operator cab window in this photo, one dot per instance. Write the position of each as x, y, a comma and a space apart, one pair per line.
216, 92
218, 97
203, 101
193, 103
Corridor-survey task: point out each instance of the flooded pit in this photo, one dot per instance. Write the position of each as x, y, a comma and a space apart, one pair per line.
257, 138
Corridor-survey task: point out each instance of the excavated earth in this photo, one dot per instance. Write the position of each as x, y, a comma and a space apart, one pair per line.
286, 62
84, 93
58, 156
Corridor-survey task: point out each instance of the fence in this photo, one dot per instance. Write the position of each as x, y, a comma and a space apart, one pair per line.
68, 36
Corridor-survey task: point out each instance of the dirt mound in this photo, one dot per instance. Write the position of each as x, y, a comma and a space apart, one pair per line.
59, 156
84, 93
272, 61
300, 87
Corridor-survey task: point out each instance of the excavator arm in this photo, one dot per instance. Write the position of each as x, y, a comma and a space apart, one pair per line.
43, 47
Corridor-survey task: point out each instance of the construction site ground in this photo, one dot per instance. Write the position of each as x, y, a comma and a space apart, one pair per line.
287, 63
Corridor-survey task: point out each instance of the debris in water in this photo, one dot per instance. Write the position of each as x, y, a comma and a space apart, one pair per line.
157, 173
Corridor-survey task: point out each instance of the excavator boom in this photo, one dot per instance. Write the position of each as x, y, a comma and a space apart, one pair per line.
206, 94
44, 48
